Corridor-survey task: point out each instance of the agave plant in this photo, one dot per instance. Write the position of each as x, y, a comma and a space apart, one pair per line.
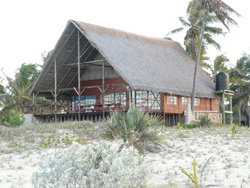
135, 128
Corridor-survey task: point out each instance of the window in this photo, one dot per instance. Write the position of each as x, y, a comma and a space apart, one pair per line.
108, 98
156, 101
121, 98
112, 98
90, 100
86, 101
197, 102
141, 98
185, 101
171, 100
73, 103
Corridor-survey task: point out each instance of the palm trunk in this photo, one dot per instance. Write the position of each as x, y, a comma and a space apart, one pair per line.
193, 48
239, 111
198, 58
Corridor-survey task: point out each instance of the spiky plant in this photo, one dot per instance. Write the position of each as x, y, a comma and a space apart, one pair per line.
135, 128
194, 178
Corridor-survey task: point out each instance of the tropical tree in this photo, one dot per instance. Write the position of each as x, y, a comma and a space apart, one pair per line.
16, 93
191, 39
219, 65
239, 77
46, 55
222, 13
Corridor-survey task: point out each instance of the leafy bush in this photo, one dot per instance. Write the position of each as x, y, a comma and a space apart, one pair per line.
104, 166
136, 128
204, 121
16, 120
189, 126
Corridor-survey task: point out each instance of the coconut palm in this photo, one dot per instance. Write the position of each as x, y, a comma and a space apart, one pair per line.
191, 39
222, 13
219, 65
239, 77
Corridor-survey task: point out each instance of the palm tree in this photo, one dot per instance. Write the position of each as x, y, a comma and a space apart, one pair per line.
16, 93
191, 39
239, 77
219, 65
222, 13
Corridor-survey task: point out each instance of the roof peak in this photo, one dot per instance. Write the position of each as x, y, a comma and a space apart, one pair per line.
94, 28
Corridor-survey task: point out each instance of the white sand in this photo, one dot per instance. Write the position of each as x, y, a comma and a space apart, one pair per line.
230, 162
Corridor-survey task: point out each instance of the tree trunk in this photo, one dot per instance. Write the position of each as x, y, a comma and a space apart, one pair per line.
239, 110
198, 58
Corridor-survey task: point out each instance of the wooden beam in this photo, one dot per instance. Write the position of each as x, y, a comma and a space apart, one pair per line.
55, 90
84, 51
103, 86
79, 77
76, 73
62, 64
42, 76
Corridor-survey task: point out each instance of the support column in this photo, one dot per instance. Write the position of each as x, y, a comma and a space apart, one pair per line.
55, 90
33, 102
148, 101
223, 106
79, 78
103, 87
129, 97
231, 110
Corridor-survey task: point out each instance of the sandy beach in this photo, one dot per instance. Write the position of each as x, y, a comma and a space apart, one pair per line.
229, 165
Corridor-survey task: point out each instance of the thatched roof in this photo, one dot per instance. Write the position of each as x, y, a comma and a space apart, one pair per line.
144, 63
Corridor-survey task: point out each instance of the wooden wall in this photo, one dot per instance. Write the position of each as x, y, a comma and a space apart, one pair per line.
116, 86
206, 104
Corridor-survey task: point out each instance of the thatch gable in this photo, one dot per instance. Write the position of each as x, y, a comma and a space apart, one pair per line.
144, 63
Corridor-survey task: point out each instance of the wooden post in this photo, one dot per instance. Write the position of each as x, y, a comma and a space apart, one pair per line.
148, 101
231, 110
103, 87
129, 97
33, 102
79, 78
223, 106
55, 96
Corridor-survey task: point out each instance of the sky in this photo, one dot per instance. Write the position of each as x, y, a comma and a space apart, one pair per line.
30, 27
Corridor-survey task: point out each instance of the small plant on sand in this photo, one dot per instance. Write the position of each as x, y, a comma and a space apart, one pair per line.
194, 178
15, 145
204, 121
104, 166
178, 125
189, 126
233, 130
136, 128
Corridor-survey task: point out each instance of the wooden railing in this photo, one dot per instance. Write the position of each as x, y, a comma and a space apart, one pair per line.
63, 109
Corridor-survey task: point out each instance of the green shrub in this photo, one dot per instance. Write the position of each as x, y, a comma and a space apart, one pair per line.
204, 121
136, 128
16, 120
189, 126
